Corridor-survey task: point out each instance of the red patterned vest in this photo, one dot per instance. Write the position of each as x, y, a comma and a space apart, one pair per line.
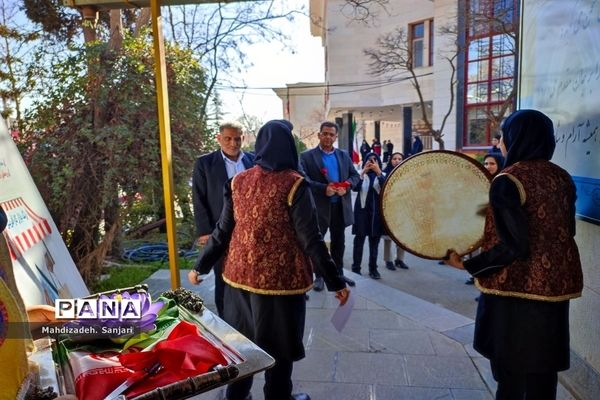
264, 254
552, 272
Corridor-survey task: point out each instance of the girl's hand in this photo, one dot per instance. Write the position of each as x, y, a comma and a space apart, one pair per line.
453, 259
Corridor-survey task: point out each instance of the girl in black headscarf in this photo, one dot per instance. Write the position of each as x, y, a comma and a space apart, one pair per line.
493, 162
367, 217
364, 149
529, 267
398, 261
269, 236
417, 145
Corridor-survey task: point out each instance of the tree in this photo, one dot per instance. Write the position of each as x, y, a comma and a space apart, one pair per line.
93, 126
393, 57
95, 165
17, 64
251, 125
220, 34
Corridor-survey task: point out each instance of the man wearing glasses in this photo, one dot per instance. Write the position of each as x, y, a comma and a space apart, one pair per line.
331, 176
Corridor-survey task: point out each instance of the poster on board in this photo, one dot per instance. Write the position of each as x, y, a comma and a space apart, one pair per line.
43, 267
560, 76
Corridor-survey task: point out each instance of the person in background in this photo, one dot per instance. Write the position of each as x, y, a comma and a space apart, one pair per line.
367, 217
376, 147
270, 237
211, 171
417, 144
331, 175
495, 149
493, 163
398, 261
364, 150
386, 155
390, 150
529, 267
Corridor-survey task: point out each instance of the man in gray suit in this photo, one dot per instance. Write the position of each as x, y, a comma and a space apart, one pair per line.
211, 171
331, 176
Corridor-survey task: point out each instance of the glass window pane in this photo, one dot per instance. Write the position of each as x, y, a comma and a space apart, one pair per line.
504, 11
479, 49
502, 44
478, 21
478, 71
503, 67
418, 53
501, 89
476, 125
477, 93
418, 30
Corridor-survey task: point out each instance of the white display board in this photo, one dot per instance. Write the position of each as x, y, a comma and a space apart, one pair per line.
43, 267
560, 76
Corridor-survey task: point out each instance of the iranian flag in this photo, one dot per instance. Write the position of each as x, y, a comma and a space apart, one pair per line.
355, 155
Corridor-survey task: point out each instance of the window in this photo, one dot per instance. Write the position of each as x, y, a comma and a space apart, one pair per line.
421, 43
431, 34
417, 39
490, 66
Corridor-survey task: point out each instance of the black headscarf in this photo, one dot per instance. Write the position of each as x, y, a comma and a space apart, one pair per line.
369, 155
417, 146
528, 135
3, 220
275, 149
389, 167
499, 160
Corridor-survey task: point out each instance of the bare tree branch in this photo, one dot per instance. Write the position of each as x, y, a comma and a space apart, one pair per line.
364, 11
393, 56
219, 34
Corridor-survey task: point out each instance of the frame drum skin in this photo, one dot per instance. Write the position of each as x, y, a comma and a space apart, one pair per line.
432, 202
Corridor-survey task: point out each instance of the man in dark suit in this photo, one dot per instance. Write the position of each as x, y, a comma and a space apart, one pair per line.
331, 176
211, 171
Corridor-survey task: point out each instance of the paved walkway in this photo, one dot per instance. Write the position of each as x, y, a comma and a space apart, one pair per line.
395, 346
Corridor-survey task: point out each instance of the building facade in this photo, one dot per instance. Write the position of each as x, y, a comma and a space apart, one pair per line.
481, 37
303, 106
379, 102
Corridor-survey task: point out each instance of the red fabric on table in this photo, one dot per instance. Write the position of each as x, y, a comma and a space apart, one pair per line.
184, 353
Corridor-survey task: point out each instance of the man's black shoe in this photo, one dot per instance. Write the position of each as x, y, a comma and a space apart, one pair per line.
401, 264
349, 281
300, 396
356, 270
390, 265
319, 284
374, 274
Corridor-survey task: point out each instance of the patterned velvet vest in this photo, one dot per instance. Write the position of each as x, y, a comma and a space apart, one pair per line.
264, 254
552, 272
